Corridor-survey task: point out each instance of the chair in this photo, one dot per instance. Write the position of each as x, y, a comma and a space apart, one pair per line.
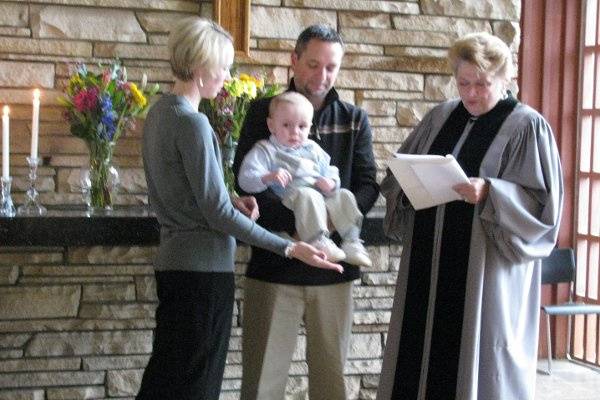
559, 267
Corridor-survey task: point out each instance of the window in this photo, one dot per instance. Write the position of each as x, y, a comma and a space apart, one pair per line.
586, 334
234, 16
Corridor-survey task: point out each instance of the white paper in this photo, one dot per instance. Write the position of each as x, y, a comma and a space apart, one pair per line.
427, 180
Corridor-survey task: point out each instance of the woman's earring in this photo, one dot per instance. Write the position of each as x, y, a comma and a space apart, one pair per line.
200, 82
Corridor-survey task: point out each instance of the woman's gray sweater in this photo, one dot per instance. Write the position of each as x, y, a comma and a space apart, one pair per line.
186, 191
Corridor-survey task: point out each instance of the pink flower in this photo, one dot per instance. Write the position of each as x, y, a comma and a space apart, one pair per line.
106, 77
67, 115
222, 95
86, 100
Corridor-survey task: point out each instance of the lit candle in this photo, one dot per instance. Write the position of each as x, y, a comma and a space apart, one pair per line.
35, 123
5, 150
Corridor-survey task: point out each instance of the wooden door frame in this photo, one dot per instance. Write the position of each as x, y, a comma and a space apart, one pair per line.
234, 16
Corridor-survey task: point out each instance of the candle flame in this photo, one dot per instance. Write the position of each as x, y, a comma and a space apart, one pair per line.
5, 111
36, 94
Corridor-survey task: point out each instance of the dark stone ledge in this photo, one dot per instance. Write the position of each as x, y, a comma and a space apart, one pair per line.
127, 226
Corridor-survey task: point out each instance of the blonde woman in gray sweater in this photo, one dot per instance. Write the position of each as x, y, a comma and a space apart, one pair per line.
199, 223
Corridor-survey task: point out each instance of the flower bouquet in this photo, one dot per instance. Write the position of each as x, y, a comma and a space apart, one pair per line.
226, 113
99, 107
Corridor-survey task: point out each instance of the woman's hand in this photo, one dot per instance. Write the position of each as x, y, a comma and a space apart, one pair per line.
311, 256
247, 205
474, 192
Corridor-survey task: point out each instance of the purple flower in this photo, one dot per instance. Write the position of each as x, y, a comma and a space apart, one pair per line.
107, 118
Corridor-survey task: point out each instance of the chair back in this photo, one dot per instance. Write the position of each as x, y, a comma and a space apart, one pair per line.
559, 266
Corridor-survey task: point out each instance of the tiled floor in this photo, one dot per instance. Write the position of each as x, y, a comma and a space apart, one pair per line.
568, 381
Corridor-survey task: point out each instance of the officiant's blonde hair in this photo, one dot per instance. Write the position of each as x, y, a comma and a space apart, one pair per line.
198, 42
488, 52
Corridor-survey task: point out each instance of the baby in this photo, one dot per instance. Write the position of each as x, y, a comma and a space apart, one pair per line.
297, 169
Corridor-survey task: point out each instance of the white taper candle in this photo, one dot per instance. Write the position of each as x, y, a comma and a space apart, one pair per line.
35, 123
5, 141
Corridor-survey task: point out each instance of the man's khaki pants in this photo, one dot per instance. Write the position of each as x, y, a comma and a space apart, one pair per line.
272, 314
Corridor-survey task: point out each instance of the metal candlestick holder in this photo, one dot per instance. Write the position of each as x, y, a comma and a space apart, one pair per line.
7, 209
32, 204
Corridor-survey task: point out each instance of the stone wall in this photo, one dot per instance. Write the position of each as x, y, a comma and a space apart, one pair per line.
76, 323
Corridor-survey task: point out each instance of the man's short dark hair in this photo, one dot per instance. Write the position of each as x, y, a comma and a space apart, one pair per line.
322, 32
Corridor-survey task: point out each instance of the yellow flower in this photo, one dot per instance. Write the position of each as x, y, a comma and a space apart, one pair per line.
138, 96
259, 83
234, 87
249, 88
76, 82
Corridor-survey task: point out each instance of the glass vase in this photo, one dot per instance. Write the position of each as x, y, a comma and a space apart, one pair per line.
103, 178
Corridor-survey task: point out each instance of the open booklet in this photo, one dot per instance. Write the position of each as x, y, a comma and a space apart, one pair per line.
427, 180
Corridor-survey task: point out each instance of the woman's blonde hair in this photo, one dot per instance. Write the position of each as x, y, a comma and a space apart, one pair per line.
488, 52
198, 42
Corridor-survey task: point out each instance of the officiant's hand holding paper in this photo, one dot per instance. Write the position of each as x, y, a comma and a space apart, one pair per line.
473, 192
428, 180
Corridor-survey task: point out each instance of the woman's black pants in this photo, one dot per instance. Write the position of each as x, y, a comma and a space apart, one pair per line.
191, 338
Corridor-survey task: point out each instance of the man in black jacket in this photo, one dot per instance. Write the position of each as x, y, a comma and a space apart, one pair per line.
280, 292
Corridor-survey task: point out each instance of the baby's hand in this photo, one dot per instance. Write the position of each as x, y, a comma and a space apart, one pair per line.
325, 185
280, 176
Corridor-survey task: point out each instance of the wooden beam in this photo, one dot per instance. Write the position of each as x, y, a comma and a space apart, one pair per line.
234, 16
549, 68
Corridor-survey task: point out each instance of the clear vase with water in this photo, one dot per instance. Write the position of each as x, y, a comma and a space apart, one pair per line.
101, 182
